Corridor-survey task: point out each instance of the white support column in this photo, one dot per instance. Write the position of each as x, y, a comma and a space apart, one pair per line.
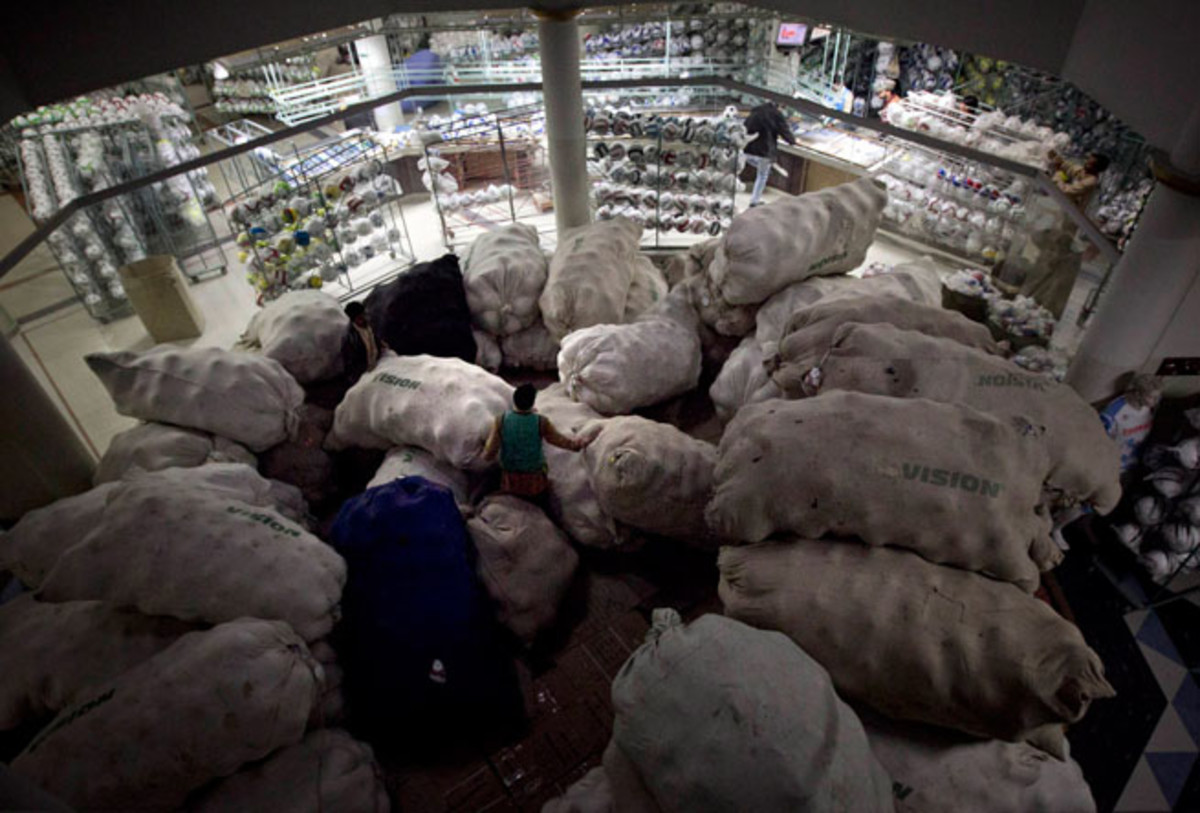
562, 92
1151, 308
380, 79
43, 457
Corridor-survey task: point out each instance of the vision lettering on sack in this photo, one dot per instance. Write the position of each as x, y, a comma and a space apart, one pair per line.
1028, 382
397, 381
952, 479
263, 519
70, 718
832, 258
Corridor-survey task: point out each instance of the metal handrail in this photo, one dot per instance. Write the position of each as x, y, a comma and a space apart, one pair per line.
47, 227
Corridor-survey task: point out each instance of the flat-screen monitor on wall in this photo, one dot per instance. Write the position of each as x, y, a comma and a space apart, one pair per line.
791, 35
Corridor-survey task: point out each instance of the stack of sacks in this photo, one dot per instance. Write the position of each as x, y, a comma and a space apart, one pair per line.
303, 331
771, 247
326, 771
525, 562
32, 547
918, 641
504, 272
956, 485
744, 380
881, 359
716, 715
617, 368
938, 771
149, 737
410, 461
443, 405
301, 461
692, 262
809, 332
198, 554
156, 446
653, 477
574, 503
532, 349
53, 652
424, 311
246, 398
590, 275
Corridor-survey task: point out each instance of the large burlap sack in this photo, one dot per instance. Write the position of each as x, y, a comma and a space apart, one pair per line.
743, 380
303, 331
617, 368
816, 234
591, 794
573, 501
240, 396
919, 641
233, 480
917, 281
327, 771
525, 562
653, 477
302, 461
590, 276
809, 332
155, 446
52, 652
410, 461
504, 272
883, 360
531, 349
201, 708
424, 311
201, 556
443, 405
958, 486
692, 261
714, 311
649, 287
717, 716
934, 770
487, 351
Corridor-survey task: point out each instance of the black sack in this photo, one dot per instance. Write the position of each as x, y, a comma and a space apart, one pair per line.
424, 311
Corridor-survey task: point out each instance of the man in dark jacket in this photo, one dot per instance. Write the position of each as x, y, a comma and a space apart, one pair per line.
765, 124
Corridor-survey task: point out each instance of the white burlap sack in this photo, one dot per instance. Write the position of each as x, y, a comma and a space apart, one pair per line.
155, 446
591, 794
717, 716
816, 234
201, 556
653, 477
590, 276
327, 772
443, 405
303, 331
240, 396
743, 380
52, 652
884, 360
648, 289
617, 368
410, 461
937, 771
809, 332
504, 272
919, 641
917, 281
200, 709
573, 501
487, 351
715, 312
531, 349
525, 562
233, 480
956, 485
691, 262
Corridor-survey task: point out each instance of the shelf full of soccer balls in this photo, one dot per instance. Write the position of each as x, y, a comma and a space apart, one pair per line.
666, 172
305, 235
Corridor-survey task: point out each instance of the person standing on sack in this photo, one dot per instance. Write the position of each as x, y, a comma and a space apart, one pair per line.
360, 348
765, 125
516, 437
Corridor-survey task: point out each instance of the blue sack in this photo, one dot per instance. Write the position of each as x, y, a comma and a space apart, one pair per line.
421, 650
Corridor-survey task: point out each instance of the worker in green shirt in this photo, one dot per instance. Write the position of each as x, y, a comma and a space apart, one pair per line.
517, 437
